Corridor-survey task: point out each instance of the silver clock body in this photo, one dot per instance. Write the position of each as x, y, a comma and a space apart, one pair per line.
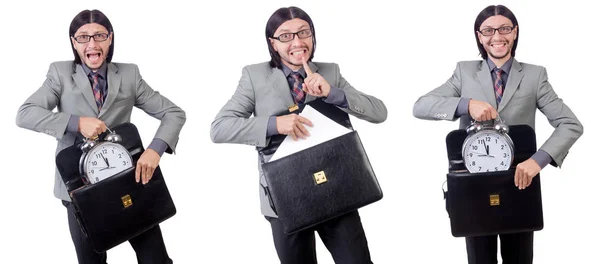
487, 148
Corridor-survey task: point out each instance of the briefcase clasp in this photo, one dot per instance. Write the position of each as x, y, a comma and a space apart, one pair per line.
320, 177
126, 201
494, 199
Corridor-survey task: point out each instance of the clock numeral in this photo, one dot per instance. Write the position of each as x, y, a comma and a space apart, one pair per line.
488, 139
92, 171
119, 156
496, 168
124, 163
479, 168
473, 163
504, 154
480, 141
104, 151
502, 163
496, 141
474, 147
501, 146
113, 151
94, 163
98, 156
470, 154
97, 180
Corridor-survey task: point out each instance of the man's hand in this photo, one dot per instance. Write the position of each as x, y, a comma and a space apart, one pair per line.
314, 84
293, 125
525, 172
91, 127
481, 111
146, 165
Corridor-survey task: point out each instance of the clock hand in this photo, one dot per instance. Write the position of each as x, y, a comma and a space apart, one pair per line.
487, 149
105, 160
106, 168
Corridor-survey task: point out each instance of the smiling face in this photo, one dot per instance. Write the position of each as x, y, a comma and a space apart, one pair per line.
498, 45
301, 45
94, 52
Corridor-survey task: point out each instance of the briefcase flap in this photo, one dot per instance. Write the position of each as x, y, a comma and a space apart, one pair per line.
489, 203
117, 209
321, 182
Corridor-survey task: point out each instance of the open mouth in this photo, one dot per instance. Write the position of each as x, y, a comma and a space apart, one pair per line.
93, 56
498, 45
299, 53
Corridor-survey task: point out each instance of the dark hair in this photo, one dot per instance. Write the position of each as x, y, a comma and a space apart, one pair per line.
494, 10
86, 17
279, 17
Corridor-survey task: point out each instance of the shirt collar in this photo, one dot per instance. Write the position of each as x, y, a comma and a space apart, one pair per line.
101, 71
505, 68
287, 71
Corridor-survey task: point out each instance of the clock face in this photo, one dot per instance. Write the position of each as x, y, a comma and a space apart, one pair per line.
105, 160
487, 151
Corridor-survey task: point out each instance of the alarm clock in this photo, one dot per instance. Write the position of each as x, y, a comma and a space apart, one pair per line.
102, 159
487, 147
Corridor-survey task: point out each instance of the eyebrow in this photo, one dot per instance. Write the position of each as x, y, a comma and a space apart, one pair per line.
96, 32
303, 27
502, 25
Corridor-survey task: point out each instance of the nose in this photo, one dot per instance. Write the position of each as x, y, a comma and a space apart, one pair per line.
92, 43
296, 41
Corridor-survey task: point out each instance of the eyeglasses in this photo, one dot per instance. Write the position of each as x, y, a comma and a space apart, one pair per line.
491, 31
86, 38
287, 37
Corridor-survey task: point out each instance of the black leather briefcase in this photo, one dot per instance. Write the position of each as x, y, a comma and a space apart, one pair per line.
116, 209
488, 203
321, 182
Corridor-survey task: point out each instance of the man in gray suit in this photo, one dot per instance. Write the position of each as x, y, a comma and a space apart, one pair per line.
267, 89
476, 91
92, 93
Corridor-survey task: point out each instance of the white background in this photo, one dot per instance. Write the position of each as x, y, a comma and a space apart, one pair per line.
194, 54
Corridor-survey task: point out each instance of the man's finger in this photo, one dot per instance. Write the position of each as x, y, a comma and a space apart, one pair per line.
304, 120
303, 130
138, 168
306, 68
298, 132
147, 174
517, 177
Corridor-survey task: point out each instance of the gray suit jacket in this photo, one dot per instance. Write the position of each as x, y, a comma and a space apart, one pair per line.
68, 89
527, 89
263, 92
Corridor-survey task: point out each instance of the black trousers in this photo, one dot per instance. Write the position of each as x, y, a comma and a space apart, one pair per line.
149, 246
515, 249
343, 236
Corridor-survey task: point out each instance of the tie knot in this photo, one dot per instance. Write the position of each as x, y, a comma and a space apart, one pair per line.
94, 75
498, 71
296, 75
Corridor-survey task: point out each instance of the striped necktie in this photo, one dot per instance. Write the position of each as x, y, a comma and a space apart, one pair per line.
96, 89
297, 92
498, 85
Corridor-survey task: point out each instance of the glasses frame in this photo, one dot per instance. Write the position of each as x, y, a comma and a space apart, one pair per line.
293, 35
498, 29
95, 37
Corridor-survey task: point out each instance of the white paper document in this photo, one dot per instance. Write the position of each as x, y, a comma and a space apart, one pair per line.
323, 129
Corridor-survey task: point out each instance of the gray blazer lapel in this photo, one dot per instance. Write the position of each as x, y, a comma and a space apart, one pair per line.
281, 87
485, 80
114, 84
83, 83
514, 79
